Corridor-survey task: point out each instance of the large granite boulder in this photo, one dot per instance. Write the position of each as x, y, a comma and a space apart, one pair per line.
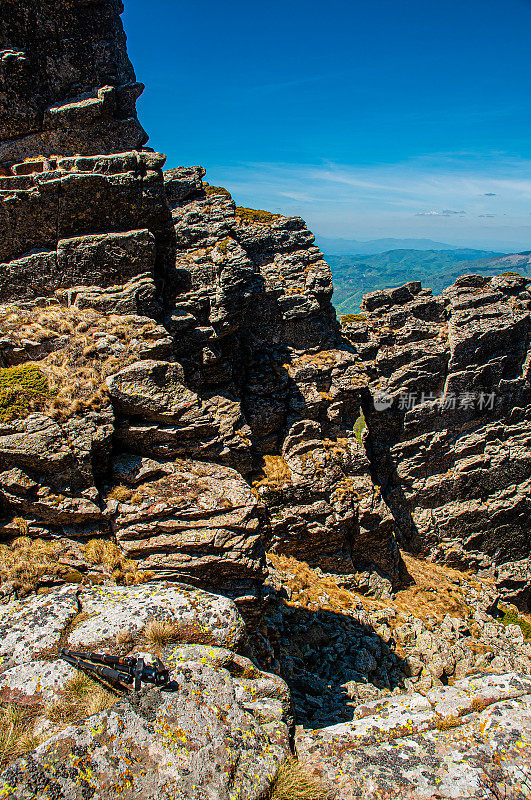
191, 521
192, 742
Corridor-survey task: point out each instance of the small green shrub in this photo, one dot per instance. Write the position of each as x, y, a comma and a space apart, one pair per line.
512, 618
348, 319
510, 275
255, 215
212, 191
359, 427
23, 389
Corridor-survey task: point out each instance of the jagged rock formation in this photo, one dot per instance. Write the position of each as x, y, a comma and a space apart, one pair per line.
450, 433
162, 322
66, 83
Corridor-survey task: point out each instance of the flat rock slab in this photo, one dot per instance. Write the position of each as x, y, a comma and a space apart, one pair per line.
191, 744
265, 695
35, 683
112, 610
478, 749
33, 625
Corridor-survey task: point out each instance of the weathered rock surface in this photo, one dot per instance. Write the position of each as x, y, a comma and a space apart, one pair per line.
220, 728
467, 740
189, 743
450, 428
66, 83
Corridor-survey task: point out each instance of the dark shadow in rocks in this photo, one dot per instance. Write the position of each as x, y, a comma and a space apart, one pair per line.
317, 652
383, 431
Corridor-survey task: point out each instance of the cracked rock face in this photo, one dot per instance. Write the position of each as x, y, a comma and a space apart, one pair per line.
66, 83
176, 745
450, 424
446, 743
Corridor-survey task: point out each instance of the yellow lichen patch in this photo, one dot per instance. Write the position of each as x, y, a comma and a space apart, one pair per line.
255, 215
23, 389
294, 781
16, 732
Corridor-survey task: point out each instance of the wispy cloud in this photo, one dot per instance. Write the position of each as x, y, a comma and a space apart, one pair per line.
485, 197
446, 213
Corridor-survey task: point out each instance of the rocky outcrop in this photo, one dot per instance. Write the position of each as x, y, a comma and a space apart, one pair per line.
66, 83
465, 740
450, 420
222, 727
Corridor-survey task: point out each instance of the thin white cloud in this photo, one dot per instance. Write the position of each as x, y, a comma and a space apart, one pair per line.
446, 213
431, 196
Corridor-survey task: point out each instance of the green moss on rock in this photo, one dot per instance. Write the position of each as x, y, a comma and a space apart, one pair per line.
23, 389
255, 215
212, 191
512, 618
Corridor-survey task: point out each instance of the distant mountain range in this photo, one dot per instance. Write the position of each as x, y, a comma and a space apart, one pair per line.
346, 247
355, 275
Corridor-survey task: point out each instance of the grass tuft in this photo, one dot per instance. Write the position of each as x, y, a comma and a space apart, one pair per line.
349, 319
81, 697
255, 215
448, 722
23, 389
124, 571
16, 732
359, 427
215, 191
295, 782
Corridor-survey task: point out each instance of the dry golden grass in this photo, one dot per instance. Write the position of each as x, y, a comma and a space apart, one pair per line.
479, 704
295, 782
159, 633
75, 369
81, 697
448, 722
275, 472
105, 553
437, 590
16, 732
25, 562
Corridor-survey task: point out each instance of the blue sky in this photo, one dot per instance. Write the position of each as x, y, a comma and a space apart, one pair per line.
402, 118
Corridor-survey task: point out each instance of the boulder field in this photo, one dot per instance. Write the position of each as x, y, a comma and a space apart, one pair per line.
323, 529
